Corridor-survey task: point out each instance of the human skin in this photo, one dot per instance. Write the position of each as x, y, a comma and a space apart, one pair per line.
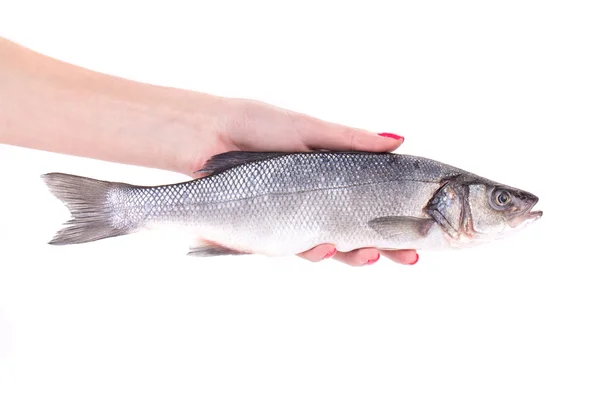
50, 105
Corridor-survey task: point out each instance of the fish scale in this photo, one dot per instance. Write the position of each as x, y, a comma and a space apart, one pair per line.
292, 202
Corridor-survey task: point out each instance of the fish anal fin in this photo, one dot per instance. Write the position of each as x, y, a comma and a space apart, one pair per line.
205, 248
230, 159
391, 226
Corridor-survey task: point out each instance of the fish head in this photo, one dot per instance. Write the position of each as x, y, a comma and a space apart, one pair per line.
498, 210
473, 210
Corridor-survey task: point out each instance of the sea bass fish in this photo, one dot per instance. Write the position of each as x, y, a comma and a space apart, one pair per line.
280, 204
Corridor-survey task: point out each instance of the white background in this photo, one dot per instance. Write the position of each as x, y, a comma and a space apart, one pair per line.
509, 90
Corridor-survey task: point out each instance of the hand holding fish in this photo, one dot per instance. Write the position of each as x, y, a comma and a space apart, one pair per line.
88, 114
247, 125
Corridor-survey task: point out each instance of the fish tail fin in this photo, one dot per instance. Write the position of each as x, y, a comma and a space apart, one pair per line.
91, 207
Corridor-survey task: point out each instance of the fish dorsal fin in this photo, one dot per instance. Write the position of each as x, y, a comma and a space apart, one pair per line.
223, 161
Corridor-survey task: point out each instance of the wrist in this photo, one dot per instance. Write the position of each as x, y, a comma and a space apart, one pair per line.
161, 127
146, 125
54, 106
185, 128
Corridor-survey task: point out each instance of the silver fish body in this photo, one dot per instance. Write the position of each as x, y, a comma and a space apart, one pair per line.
285, 203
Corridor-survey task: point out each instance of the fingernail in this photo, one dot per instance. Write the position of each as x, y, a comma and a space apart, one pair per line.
330, 254
370, 262
392, 136
416, 259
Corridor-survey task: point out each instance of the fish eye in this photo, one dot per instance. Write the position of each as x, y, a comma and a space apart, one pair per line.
502, 198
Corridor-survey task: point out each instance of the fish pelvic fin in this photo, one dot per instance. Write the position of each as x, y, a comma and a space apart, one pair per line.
91, 208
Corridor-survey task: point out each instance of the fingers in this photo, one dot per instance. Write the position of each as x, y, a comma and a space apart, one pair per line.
406, 257
319, 253
258, 126
359, 257
318, 134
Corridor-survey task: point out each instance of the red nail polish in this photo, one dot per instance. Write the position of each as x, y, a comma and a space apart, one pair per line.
330, 254
375, 260
392, 136
416, 259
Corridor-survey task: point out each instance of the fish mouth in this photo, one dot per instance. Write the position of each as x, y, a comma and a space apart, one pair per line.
535, 214
528, 215
526, 219
531, 214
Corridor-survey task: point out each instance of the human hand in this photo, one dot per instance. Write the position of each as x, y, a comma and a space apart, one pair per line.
88, 114
249, 125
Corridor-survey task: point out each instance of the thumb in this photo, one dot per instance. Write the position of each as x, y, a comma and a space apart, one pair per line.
317, 134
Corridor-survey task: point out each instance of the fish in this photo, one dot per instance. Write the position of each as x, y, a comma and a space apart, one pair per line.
284, 203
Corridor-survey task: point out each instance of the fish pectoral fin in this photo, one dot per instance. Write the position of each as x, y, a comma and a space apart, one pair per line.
394, 225
210, 249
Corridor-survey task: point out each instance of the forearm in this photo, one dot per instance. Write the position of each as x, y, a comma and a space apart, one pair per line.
49, 105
